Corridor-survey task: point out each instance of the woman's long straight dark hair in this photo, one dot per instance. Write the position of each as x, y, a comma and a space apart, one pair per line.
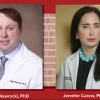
75, 43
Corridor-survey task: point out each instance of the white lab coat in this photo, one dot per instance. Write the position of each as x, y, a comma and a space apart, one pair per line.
68, 74
24, 72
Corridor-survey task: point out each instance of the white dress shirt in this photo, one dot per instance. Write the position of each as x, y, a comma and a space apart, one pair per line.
10, 56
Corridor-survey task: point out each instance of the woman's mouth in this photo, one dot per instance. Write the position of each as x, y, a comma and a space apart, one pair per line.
91, 39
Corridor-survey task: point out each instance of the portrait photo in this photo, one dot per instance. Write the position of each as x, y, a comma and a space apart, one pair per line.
77, 47
21, 46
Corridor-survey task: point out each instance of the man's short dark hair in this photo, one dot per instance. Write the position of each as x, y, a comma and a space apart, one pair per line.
12, 14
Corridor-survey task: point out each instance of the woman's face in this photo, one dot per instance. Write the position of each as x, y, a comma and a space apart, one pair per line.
89, 30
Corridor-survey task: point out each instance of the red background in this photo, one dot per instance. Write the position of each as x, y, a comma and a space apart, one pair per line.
49, 93
50, 5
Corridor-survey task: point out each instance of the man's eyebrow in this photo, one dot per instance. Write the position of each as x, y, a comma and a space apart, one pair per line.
11, 25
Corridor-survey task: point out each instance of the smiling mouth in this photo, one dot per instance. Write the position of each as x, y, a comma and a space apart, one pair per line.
4, 42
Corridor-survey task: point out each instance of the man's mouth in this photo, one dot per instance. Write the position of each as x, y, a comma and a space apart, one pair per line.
4, 42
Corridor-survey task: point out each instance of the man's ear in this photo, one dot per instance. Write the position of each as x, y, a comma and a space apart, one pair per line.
20, 30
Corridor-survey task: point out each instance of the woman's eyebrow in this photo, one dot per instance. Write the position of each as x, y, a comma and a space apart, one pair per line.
89, 24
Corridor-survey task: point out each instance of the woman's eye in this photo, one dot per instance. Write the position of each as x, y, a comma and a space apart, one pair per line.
97, 26
85, 27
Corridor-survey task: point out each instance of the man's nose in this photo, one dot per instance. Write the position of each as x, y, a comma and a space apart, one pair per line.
4, 33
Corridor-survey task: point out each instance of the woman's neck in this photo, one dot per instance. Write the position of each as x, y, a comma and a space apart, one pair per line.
89, 51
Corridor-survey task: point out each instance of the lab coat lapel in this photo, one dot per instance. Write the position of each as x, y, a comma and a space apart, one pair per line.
73, 65
90, 79
14, 66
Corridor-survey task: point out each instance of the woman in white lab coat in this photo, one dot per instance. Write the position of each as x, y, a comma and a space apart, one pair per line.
82, 69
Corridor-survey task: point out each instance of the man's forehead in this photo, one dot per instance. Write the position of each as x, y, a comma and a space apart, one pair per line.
6, 20
4, 17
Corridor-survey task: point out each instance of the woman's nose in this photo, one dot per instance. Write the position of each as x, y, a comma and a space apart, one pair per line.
91, 31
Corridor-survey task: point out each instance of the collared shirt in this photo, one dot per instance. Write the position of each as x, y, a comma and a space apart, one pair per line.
10, 56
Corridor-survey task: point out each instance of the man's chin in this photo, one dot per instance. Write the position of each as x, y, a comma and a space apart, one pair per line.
4, 50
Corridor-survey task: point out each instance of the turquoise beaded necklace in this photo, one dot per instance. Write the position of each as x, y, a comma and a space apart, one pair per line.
83, 58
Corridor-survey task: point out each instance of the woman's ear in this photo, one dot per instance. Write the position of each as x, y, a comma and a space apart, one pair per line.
76, 35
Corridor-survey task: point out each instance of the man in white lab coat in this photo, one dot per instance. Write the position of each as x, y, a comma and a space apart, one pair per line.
23, 68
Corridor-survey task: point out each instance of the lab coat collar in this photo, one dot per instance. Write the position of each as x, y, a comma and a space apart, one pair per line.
20, 58
73, 62
13, 53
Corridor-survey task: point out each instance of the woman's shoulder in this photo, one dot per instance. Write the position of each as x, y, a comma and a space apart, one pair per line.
71, 57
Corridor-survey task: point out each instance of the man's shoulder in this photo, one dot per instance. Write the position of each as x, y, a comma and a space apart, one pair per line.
34, 55
31, 55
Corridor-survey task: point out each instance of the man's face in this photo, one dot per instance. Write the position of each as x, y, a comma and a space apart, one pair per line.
9, 34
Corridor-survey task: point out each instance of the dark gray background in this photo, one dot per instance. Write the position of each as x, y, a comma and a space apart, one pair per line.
32, 32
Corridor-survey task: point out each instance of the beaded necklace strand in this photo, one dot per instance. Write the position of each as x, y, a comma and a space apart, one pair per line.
83, 58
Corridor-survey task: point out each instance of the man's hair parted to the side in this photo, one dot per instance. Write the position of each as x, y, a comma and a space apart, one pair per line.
12, 14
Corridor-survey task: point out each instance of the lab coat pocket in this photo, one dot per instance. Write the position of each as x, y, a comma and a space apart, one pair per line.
68, 82
16, 84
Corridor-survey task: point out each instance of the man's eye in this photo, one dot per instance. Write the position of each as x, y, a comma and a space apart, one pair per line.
10, 28
0, 28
